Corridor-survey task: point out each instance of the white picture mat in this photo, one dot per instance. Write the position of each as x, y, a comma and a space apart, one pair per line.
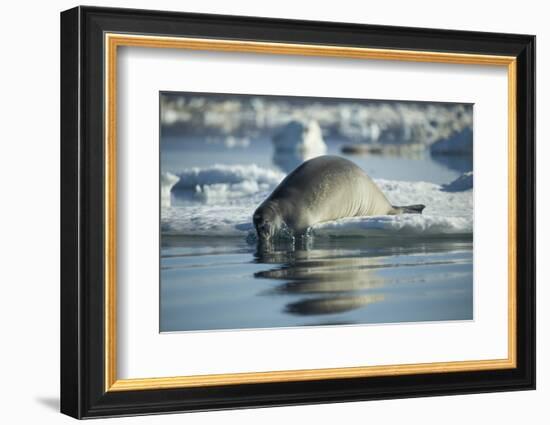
144, 352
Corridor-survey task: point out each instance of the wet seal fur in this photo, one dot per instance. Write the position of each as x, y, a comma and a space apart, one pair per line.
322, 189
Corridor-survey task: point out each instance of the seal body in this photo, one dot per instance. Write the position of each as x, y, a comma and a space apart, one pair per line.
322, 189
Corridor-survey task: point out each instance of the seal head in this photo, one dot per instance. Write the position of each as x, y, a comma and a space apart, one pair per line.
267, 221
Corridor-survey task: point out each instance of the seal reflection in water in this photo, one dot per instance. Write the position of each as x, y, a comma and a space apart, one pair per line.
322, 189
323, 283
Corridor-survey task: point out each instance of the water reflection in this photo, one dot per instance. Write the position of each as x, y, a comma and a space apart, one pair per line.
331, 305
333, 280
213, 283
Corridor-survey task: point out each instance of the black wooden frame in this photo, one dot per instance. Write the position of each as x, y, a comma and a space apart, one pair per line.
82, 214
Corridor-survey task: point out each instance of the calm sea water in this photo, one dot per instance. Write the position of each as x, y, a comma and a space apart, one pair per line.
210, 283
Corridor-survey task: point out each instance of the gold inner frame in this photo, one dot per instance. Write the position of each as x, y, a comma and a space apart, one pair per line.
113, 41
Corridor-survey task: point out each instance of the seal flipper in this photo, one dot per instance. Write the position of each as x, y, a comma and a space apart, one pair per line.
410, 209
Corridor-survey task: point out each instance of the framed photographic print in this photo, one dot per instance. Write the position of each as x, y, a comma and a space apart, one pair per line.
261, 212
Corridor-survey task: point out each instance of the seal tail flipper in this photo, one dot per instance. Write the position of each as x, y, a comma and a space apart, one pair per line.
410, 209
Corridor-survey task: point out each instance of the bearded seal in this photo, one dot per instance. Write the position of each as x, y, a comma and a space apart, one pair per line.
322, 189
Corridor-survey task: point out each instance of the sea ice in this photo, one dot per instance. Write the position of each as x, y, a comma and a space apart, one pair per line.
464, 182
228, 195
301, 136
167, 182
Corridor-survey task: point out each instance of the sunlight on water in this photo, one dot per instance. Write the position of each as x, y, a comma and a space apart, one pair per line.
210, 284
